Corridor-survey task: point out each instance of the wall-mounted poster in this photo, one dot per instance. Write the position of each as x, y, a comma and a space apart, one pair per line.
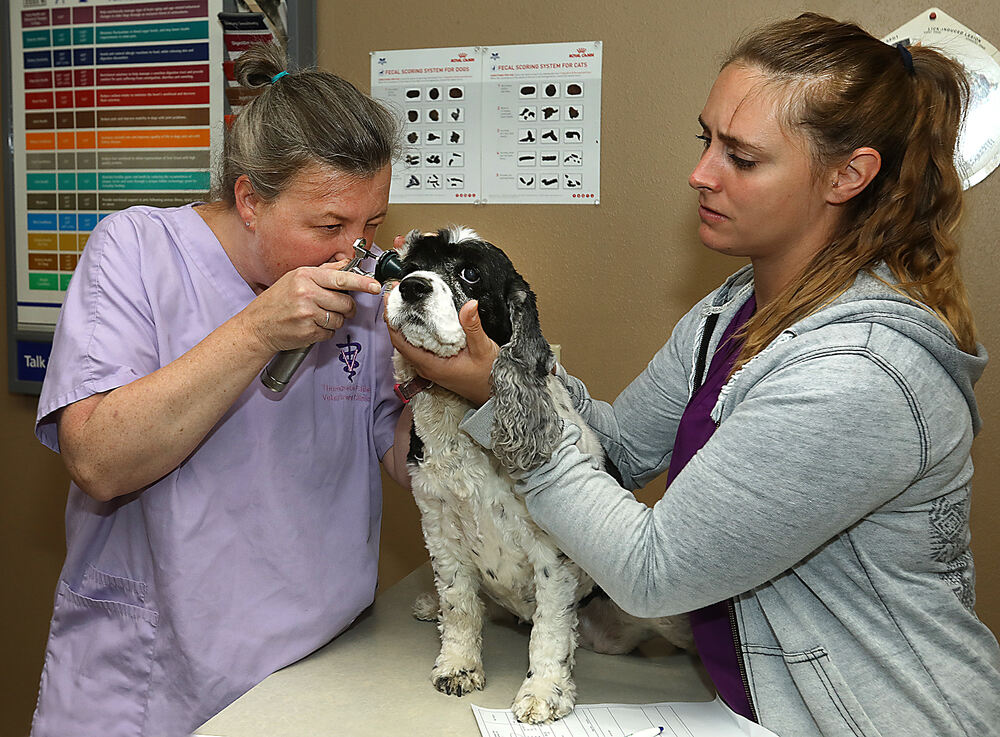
112, 104
501, 124
542, 134
437, 96
107, 105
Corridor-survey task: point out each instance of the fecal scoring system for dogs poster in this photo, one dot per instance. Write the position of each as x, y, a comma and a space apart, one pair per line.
495, 124
437, 94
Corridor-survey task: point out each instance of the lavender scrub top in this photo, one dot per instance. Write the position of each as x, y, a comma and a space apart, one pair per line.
259, 548
710, 625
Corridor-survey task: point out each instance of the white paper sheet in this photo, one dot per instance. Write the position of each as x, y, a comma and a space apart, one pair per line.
979, 142
679, 719
542, 123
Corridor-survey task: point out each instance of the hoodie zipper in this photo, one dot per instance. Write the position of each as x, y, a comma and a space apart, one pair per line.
700, 366
739, 658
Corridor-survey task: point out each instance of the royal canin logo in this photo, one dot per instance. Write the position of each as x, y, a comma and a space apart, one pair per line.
581, 53
462, 56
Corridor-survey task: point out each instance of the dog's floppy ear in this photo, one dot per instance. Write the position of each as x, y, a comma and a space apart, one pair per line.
526, 426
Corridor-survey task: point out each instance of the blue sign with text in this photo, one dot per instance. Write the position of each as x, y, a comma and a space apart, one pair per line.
32, 358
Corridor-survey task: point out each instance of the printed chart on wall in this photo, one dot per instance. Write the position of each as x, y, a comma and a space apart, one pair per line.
437, 95
543, 130
113, 104
500, 124
253, 23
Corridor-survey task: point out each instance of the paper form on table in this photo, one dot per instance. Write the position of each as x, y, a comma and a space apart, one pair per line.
679, 719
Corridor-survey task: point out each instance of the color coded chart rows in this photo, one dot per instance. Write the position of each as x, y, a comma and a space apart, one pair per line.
116, 109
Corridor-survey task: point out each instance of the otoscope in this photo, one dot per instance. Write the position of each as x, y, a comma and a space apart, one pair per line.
279, 372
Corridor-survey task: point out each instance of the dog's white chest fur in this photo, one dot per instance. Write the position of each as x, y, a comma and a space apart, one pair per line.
468, 499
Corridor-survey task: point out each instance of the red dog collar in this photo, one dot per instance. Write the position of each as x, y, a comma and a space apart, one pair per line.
408, 390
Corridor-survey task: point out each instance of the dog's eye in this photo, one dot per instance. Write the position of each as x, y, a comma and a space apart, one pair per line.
469, 274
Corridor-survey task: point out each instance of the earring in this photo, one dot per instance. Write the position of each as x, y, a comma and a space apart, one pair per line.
247, 223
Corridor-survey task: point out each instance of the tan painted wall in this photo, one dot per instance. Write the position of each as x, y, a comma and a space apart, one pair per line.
611, 280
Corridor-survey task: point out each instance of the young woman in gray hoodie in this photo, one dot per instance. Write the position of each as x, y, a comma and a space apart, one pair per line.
815, 414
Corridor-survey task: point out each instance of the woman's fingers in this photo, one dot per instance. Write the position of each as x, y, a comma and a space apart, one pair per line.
307, 305
330, 276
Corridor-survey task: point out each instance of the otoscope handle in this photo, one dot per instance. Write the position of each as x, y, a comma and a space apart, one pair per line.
280, 370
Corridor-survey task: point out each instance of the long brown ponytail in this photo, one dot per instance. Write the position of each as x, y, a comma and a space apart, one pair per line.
846, 90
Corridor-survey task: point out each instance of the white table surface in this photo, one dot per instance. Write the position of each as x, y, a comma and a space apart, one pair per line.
374, 679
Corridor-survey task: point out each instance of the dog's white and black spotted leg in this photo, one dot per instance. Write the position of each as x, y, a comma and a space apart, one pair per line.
458, 669
459, 666
548, 691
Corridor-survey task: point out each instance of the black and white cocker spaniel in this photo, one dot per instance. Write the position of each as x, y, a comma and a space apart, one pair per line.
477, 530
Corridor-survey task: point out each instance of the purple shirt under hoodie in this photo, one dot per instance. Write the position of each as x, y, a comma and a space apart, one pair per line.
711, 625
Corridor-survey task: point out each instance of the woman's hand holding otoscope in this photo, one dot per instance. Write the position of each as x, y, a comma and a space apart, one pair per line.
279, 371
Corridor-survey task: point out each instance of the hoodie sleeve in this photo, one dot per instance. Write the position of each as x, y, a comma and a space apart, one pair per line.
637, 431
803, 456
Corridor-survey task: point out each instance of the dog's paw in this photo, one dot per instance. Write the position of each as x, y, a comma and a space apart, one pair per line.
542, 700
425, 607
458, 682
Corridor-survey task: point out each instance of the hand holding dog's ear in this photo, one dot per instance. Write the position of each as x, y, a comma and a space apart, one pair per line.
477, 341
466, 373
469, 371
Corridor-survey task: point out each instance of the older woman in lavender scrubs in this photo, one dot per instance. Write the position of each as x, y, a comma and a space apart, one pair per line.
216, 531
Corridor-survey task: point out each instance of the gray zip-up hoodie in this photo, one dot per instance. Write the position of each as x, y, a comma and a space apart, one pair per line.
832, 505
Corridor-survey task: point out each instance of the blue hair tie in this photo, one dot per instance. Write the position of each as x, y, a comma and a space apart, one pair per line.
278, 76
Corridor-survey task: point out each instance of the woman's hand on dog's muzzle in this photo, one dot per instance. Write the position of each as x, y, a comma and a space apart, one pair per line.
468, 372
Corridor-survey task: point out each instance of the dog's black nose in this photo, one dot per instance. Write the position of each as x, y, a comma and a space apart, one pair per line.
413, 288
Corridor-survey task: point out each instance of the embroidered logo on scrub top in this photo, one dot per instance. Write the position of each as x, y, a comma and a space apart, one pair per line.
349, 352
